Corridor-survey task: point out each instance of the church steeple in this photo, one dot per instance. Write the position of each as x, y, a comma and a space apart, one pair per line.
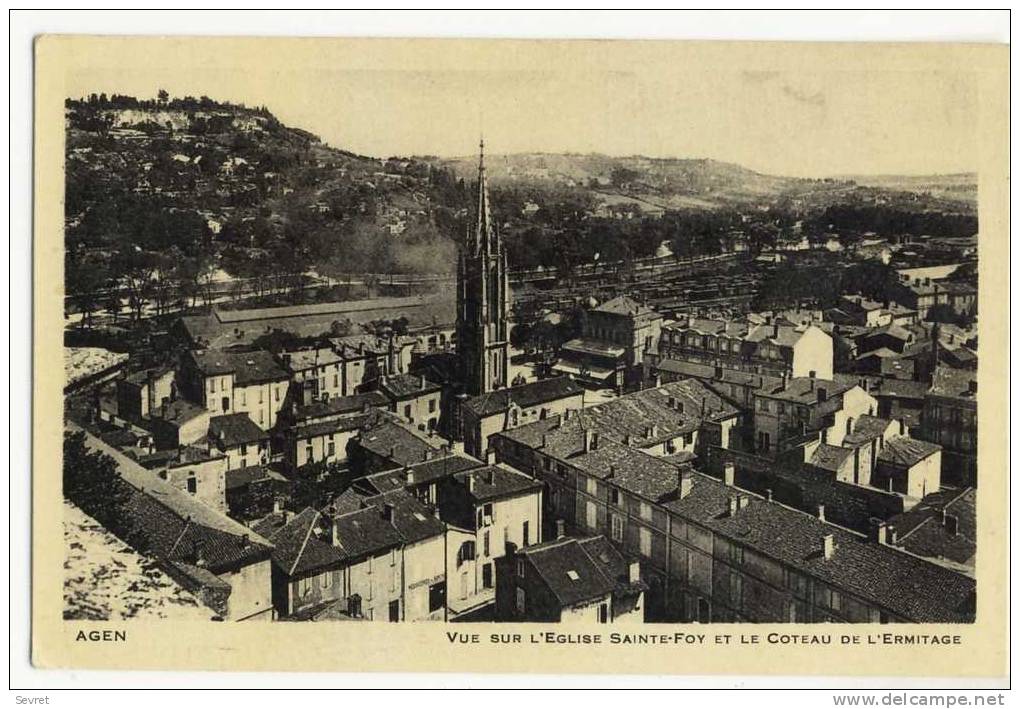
483, 298
484, 233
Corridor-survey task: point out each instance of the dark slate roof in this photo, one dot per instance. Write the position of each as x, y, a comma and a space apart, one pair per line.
866, 429
365, 532
576, 570
649, 476
721, 375
403, 386
173, 526
524, 395
413, 521
804, 390
903, 584
398, 444
907, 451
829, 457
178, 412
496, 482
900, 389
954, 383
341, 405
231, 430
247, 367
240, 477
624, 305
303, 545
337, 425
922, 530
421, 473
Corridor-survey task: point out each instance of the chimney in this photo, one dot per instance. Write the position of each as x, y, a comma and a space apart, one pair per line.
245, 541
568, 414
892, 535
510, 548
672, 402
589, 435
952, 524
768, 494
409, 476
734, 505
490, 456
879, 531
277, 506
821, 512
490, 476
594, 440
387, 512
743, 501
828, 546
471, 483
198, 550
684, 483
729, 473
823, 395
634, 572
561, 529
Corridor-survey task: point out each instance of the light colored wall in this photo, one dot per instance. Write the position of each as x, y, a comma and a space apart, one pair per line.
384, 580
210, 481
424, 565
214, 390
813, 352
420, 414
251, 592
262, 402
256, 453
320, 448
508, 517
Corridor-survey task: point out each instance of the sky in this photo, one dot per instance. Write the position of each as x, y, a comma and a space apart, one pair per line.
795, 118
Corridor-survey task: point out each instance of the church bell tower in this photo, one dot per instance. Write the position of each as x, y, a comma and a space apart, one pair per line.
483, 299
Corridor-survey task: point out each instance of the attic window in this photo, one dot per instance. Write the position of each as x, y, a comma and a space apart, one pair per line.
573, 575
419, 516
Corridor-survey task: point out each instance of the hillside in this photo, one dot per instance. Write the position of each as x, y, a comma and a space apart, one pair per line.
163, 195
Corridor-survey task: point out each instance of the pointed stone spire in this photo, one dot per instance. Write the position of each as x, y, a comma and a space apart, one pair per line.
483, 220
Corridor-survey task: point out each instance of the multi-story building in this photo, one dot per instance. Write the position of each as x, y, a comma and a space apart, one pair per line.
142, 393
569, 580
503, 409
949, 418
807, 407
711, 552
239, 440
771, 348
236, 382
483, 300
383, 562
414, 398
322, 430
221, 562
616, 336
496, 506
317, 374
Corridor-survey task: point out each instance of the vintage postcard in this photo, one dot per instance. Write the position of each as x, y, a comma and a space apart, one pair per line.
520, 356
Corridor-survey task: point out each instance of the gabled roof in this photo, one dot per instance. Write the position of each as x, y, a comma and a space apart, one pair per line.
232, 430
804, 390
525, 395
402, 386
247, 367
828, 457
953, 383
866, 428
303, 546
400, 445
341, 405
576, 570
624, 305
907, 451
496, 482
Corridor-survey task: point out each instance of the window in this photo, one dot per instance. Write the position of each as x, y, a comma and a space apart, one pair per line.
591, 515
309, 452
368, 596
212, 385
603, 613
614, 496
277, 393
331, 451
261, 417
736, 554
369, 570
304, 587
736, 590
244, 398
437, 596
485, 543
407, 411
192, 484
646, 511
521, 601
526, 534
617, 528
520, 568
432, 406
327, 579
645, 538
244, 449
591, 487
393, 557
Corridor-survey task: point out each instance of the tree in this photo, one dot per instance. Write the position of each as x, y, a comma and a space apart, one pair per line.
162, 97
92, 482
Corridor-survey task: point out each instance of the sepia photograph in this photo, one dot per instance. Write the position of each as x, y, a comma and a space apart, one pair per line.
615, 339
